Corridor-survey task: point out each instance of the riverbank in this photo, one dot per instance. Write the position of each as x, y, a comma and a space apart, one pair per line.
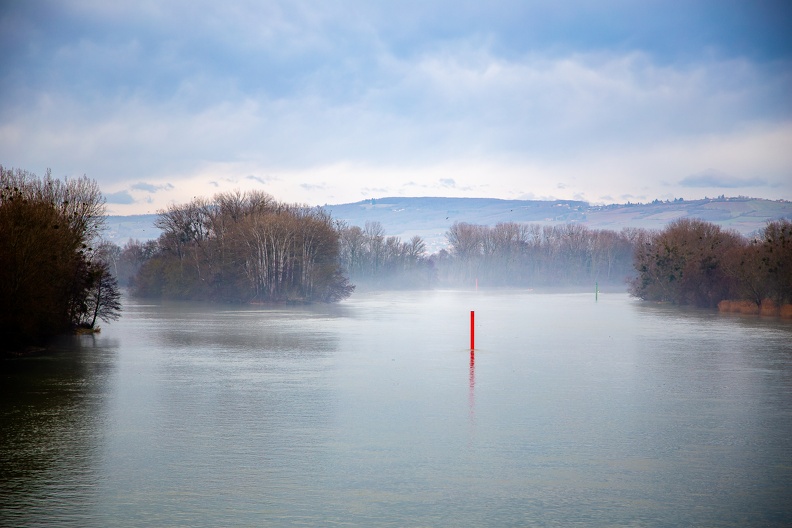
767, 308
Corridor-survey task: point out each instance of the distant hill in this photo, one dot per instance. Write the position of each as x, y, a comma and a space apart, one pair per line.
744, 215
430, 218
136, 227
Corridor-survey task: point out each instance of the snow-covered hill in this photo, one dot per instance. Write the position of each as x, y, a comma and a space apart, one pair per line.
430, 218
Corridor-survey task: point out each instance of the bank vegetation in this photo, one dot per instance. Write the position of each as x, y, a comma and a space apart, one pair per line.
693, 262
52, 280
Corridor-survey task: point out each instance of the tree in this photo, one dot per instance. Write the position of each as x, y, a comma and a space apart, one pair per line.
686, 264
376, 261
130, 258
244, 247
466, 244
37, 265
353, 250
745, 265
109, 253
46, 259
776, 255
103, 298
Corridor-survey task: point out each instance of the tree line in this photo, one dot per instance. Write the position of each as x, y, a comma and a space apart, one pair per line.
52, 279
190, 260
697, 263
690, 262
374, 260
505, 255
57, 274
534, 255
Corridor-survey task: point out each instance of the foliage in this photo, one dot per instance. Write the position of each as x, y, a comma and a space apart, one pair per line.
697, 263
776, 259
242, 247
50, 278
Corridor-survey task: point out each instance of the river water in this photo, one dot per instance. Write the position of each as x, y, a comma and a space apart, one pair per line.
373, 412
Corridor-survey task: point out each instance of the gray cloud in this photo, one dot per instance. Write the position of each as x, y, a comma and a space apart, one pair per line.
151, 188
121, 197
259, 179
126, 90
717, 179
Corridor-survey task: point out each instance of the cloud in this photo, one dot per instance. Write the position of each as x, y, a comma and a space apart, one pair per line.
121, 197
375, 191
313, 187
714, 178
151, 188
259, 179
411, 111
345, 98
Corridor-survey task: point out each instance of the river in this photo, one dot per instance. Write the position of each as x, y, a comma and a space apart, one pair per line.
374, 412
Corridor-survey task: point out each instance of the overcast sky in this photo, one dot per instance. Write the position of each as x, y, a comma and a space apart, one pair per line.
333, 102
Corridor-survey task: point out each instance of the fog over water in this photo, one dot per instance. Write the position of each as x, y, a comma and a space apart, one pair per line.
374, 412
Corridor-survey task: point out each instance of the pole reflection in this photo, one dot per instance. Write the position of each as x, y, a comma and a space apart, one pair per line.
472, 386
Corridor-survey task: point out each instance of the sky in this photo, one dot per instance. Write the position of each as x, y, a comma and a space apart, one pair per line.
608, 101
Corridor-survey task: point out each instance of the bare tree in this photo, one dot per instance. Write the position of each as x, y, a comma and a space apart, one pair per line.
103, 300
46, 269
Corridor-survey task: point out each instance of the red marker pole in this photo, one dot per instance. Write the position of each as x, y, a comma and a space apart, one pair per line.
472, 329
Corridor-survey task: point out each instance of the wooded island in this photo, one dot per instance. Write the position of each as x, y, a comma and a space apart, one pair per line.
57, 274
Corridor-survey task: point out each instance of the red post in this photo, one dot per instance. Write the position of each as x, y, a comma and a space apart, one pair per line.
472, 330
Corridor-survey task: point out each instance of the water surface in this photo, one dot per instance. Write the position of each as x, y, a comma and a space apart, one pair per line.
373, 412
